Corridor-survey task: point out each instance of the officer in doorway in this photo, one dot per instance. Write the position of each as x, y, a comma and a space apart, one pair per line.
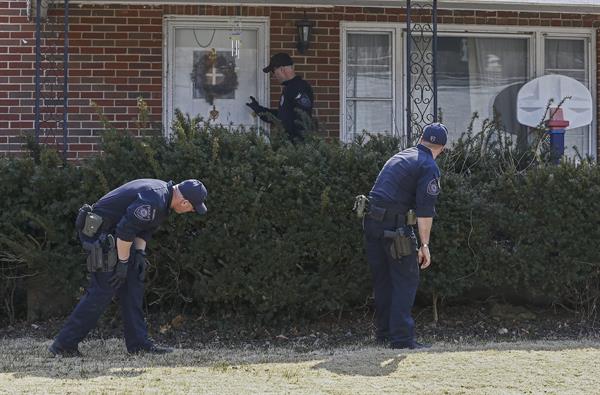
404, 195
115, 231
296, 97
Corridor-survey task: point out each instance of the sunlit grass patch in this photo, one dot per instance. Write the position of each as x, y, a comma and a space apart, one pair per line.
507, 368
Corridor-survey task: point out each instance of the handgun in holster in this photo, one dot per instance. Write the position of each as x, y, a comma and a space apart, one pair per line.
401, 243
102, 254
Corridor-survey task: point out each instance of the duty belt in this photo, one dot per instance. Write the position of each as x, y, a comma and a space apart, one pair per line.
383, 214
388, 212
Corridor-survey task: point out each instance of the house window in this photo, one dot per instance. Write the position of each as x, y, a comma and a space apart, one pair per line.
205, 76
483, 72
479, 70
368, 83
568, 57
481, 75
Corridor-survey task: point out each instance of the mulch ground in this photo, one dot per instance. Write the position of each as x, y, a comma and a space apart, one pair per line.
485, 322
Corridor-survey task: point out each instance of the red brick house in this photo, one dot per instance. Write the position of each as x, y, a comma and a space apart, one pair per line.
120, 50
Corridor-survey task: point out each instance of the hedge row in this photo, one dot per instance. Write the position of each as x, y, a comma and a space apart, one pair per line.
280, 241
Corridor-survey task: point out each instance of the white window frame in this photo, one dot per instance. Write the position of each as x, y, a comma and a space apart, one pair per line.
395, 31
172, 22
535, 34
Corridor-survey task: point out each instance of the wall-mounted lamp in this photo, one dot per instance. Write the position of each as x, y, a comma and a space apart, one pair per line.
304, 29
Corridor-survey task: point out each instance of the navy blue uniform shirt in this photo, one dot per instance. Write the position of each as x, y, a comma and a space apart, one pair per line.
297, 93
135, 209
409, 180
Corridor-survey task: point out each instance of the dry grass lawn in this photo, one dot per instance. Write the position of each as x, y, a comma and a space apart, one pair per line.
500, 368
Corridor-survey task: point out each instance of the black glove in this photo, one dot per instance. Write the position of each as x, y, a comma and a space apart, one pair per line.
119, 276
254, 105
141, 263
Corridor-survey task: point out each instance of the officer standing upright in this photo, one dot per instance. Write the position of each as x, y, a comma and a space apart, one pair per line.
296, 97
404, 194
115, 231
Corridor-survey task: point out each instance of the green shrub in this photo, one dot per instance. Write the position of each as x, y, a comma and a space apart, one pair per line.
280, 242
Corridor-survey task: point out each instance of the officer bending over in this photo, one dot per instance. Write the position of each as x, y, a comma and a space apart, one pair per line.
297, 95
408, 183
115, 231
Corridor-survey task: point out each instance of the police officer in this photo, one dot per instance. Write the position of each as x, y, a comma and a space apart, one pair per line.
128, 215
297, 95
407, 184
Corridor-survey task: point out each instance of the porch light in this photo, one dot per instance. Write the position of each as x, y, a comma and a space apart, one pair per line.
304, 28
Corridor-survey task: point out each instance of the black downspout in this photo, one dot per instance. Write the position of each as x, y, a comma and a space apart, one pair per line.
38, 25
65, 80
408, 75
434, 66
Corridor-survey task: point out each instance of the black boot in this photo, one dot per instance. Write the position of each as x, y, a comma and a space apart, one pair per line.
153, 349
56, 351
411, 346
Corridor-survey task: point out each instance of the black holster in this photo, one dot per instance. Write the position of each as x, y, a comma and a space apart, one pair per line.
403, 242
101, 247
102, 254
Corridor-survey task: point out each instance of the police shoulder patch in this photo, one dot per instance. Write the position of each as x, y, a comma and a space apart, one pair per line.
433, 188
144, 212
303, 100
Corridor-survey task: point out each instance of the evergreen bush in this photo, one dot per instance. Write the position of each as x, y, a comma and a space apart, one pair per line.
280, 242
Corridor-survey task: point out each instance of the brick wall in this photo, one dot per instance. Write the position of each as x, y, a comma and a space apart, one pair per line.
116, 56
16, 72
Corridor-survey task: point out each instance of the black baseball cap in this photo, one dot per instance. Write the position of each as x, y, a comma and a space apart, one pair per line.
195, 192
278, 60
436, 133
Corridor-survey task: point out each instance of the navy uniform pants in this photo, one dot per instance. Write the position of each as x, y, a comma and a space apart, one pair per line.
395, 285
96, 299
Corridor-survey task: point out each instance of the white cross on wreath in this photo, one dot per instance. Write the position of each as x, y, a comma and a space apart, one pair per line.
208, 70
214, 75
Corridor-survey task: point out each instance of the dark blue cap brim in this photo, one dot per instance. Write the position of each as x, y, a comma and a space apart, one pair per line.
201, 209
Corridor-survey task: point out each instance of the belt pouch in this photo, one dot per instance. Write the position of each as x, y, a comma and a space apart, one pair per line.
92, 224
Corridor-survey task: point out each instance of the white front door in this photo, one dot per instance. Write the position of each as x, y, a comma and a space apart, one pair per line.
207, 73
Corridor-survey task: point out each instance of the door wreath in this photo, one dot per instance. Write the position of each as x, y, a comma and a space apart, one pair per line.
200, 76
